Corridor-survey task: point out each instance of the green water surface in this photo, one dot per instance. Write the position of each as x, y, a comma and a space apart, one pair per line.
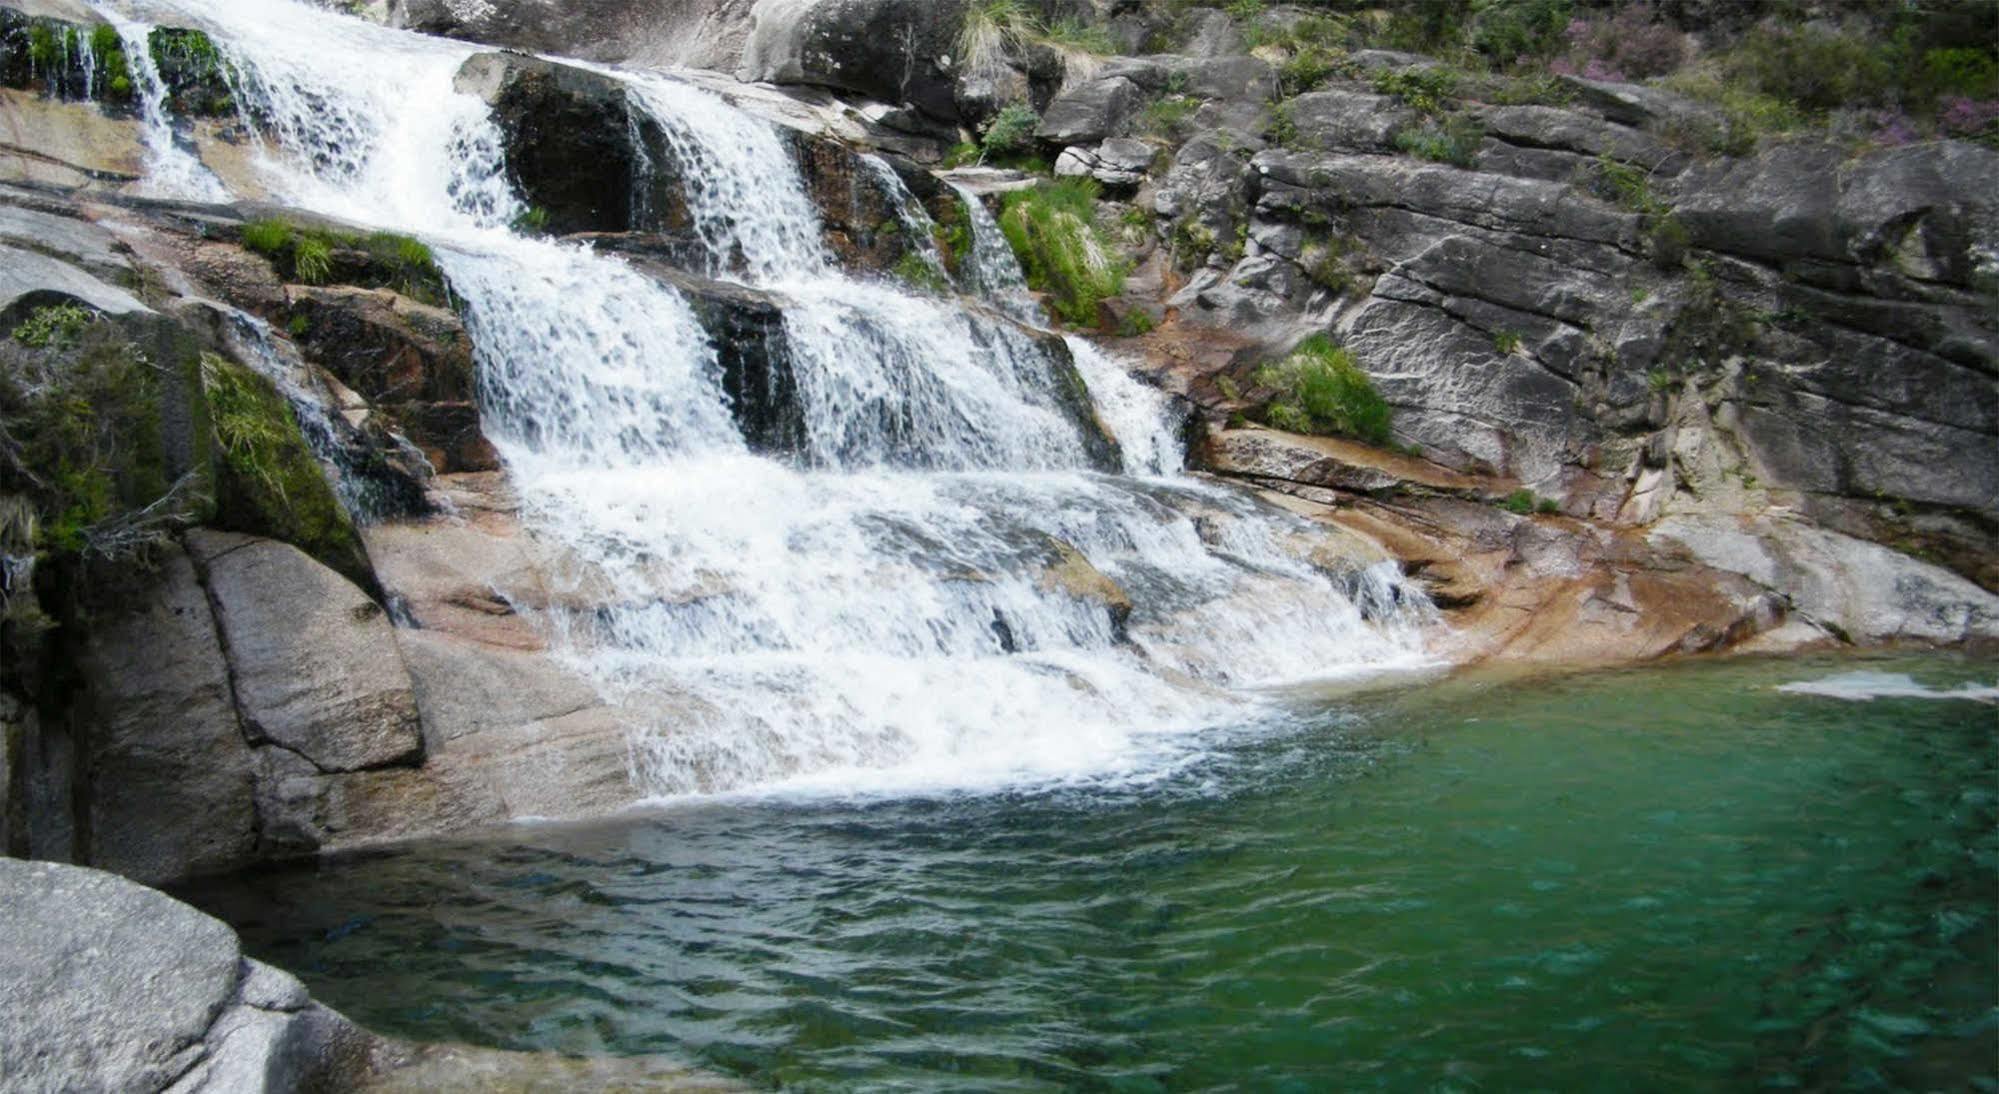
1661, 879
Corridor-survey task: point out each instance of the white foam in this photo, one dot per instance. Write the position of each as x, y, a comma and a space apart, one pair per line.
1861, 687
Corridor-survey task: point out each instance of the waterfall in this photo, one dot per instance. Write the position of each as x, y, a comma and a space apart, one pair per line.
171, 170
942, 587
991, 268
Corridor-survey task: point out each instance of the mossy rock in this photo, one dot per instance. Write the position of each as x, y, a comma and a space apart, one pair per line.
64, 59
194, 72
268, 482
107, 425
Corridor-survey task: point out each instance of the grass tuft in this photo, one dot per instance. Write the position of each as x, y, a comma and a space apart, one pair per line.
1320, 388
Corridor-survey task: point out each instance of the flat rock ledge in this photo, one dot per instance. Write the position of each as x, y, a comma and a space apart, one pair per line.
106, 985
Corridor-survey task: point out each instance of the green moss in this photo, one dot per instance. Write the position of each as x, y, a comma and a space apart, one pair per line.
45, 47
82, 427
269, 483
1520, 501
912, 270
954, 231
1320, 388
1052, 229
104, 38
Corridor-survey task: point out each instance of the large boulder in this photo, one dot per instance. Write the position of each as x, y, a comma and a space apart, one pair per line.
314, 660
107, 985
693, 33
891, 50
407, 359
1091, 112
169, 775
568, 138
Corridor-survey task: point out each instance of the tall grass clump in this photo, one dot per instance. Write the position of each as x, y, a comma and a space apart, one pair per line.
1320, 388
1053, 231
992, 29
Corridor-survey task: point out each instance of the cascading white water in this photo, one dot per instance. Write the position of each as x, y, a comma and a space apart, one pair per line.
171, 170
933, 590
991, 268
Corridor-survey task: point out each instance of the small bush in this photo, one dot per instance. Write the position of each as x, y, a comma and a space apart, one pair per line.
1134, 324
1306, 68
530, 221
1010, 132
1168, 117
1321, 389
1814, 67
1520, 501
1507, 342
1052, 229
1454, 141
1324, 262
1547, 505
1426, 90
56, 327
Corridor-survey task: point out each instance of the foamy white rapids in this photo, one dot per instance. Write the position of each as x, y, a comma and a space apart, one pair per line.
937, 589
1863, 686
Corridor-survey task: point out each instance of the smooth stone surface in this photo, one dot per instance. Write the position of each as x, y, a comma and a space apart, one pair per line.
315, 662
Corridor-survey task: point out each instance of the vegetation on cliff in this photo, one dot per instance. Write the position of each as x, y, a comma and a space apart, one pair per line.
1053, 230
1320, 388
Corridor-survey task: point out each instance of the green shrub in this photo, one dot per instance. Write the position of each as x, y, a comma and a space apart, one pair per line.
1306, 68
1168, 116
1454, 141
1520, 501
1426, 90
1321, 389
1283, 128
1523, 28
1547, 505
84, 419
1010, 132
1052, 229
1135, 323
270, 238
1507, 342
1814, 67
104, 39
1324, 262
56, 327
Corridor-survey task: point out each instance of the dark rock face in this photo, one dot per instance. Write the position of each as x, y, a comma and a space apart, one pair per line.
747, 329
410, 360
568, 137
890, 50
1090, 113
